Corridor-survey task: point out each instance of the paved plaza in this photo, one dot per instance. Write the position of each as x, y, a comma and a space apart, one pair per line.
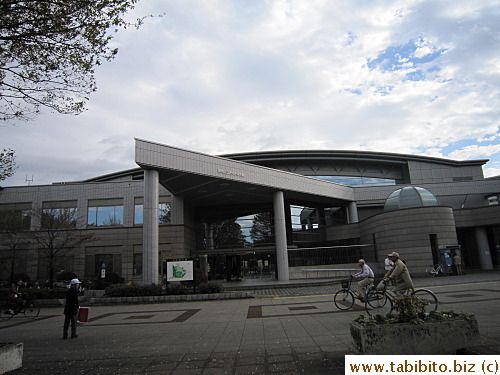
281, 331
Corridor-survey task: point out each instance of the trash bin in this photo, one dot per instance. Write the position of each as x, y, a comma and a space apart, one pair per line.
83, 315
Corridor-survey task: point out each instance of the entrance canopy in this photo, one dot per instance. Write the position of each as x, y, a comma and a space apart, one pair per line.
233, 187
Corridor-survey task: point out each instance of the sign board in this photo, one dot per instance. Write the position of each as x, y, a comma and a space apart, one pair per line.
180, 270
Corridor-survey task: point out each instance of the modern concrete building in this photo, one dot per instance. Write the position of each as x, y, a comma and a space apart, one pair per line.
287, 214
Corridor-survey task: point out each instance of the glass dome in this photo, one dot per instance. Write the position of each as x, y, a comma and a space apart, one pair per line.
409, 197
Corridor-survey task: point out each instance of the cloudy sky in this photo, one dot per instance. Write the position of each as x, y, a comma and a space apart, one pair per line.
224, 76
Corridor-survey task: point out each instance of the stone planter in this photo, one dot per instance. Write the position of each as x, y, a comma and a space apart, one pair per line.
11, 356
441, 337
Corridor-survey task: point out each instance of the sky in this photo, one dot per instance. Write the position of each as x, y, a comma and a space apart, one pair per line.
415, 77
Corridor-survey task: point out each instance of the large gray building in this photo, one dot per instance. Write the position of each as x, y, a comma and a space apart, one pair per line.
288, 214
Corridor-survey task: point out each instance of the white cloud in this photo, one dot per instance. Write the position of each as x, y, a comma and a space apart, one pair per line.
223, 77
475, 151
491, 172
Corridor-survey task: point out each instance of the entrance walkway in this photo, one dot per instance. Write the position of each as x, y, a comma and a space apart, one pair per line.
295, 334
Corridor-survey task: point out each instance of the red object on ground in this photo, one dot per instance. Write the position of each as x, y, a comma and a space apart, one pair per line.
83, 315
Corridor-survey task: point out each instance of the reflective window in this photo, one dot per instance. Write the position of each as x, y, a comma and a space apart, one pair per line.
105, 216
137, 264
65, 217
357, 181
164, 214
138, 214
15, 219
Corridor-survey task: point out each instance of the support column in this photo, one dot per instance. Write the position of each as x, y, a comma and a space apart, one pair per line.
204, 265
352, 210
321, 216
483, 248
280, 237
209, 242
209, 236
150, 228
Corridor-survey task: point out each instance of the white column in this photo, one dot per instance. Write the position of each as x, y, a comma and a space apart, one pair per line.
483, 248
280, 237
150, 228
353, 212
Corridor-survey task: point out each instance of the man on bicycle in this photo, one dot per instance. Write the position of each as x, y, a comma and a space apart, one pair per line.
366, 277
400, 274
15, 297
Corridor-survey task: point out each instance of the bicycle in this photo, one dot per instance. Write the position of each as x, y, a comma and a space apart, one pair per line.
434, 271
344, 297
10, 308
381, 301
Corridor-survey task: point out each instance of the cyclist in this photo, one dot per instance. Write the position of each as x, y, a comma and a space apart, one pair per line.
366, 277
15, 297
399, 273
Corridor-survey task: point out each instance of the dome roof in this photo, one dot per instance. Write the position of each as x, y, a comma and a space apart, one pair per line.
409, 197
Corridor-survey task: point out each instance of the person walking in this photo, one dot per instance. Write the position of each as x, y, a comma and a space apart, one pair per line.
399, 274
366, 277
71, 309
457, 262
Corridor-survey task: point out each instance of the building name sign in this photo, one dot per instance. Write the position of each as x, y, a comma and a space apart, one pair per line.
230, 173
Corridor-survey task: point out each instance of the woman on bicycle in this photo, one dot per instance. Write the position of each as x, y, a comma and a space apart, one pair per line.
400, 274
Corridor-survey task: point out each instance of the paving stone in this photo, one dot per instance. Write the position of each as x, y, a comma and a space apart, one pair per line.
222, 337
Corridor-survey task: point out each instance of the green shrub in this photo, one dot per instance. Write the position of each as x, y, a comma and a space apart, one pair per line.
113, 278
409, 309
210, 287
37, 293
177, 289
57, 293
118, 290
434, 316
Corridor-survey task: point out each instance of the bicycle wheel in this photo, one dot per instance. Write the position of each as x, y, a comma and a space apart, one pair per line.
343, 299
31, 311
4, 311
377, 303
428, 298
430, 272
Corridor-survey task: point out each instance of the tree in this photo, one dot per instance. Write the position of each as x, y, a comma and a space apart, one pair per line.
12, 239
261, 231
49, 49
7, 164
227, 233
57, 235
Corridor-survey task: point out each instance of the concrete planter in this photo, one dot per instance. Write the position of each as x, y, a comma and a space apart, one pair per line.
11, 356
441, 337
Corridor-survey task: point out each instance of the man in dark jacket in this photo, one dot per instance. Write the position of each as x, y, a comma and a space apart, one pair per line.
71, 309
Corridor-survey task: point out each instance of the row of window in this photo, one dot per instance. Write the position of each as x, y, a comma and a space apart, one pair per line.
97, 216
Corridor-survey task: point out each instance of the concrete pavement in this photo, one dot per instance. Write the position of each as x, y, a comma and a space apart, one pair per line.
293, 333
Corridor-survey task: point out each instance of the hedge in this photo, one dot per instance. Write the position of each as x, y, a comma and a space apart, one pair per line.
155, 290
43, 293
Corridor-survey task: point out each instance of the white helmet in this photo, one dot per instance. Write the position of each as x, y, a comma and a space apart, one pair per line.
75, 281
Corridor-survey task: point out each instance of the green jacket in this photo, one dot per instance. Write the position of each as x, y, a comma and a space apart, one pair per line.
400, 273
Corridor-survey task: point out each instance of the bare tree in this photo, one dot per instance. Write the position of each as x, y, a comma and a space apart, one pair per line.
12, 240
58, 235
